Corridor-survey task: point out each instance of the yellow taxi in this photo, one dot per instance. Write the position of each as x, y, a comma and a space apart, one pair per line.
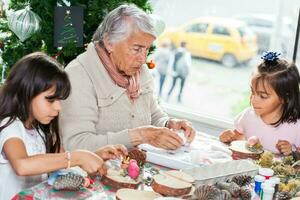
227, 40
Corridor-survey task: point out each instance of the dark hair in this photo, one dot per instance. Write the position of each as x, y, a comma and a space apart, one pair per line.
284, 78
30, 76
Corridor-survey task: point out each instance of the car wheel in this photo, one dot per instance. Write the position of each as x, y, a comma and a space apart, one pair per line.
229, 60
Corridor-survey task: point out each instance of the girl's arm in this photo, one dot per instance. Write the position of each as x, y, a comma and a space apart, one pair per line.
25, 165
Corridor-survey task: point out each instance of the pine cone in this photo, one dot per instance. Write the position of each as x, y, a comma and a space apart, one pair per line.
283, 196
207, 192
231, 187
245, 193
296, 155
266, 159
225, 195
288, 160
242, 180
138, 155
69, 181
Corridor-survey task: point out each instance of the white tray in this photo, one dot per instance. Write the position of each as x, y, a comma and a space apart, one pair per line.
169, 162
202, 151
210, 174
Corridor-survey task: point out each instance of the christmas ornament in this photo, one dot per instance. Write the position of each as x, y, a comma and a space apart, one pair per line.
23, 23
159, 24
68, 32
151, 64
68, 26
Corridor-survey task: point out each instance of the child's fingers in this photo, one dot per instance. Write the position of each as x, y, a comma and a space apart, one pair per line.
223, 138
103, 170
286, 151
227, 136
121, 149
285, 148
283, 144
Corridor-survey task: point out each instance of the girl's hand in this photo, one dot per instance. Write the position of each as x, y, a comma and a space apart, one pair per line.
231, 135
88, 161
112, 151
284, 147
227, 136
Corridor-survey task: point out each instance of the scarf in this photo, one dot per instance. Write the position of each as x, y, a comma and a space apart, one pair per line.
130, 83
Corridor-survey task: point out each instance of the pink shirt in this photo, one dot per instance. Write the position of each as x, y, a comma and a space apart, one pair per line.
250, 124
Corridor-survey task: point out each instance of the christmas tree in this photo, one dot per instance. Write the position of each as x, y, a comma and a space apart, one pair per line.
68, 33
94, 12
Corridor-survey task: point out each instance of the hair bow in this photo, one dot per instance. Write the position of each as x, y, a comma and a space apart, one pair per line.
270, 56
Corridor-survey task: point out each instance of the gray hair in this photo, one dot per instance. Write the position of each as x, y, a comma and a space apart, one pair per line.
122, 21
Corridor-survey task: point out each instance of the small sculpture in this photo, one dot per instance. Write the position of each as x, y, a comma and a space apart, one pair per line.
133, 169
254, 145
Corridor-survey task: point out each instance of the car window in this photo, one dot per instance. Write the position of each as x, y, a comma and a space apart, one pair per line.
220, 30
197, 28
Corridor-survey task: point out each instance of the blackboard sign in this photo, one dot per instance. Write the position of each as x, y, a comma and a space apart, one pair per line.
68, 26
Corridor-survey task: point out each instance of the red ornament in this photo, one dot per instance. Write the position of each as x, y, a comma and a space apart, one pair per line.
151, 64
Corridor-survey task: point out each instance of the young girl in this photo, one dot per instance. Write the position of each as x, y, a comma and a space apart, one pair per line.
275, 107
29, 139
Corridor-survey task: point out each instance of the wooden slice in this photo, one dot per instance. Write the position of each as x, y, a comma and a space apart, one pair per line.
170, 186
240, 151
114, 179
180, 175
130, 194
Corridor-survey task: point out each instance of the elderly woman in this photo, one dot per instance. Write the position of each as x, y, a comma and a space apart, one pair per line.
112, 90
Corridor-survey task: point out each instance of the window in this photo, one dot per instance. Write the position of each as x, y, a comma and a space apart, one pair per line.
220, 30
197, 28
217, 84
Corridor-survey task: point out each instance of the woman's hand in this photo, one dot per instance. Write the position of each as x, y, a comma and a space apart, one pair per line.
157, 136
178, 124
284, 147
112, 151
88, 161
231, 135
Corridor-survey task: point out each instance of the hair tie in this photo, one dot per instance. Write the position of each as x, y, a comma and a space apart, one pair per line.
270, 56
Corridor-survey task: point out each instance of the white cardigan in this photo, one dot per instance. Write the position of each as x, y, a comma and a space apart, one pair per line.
98, 112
